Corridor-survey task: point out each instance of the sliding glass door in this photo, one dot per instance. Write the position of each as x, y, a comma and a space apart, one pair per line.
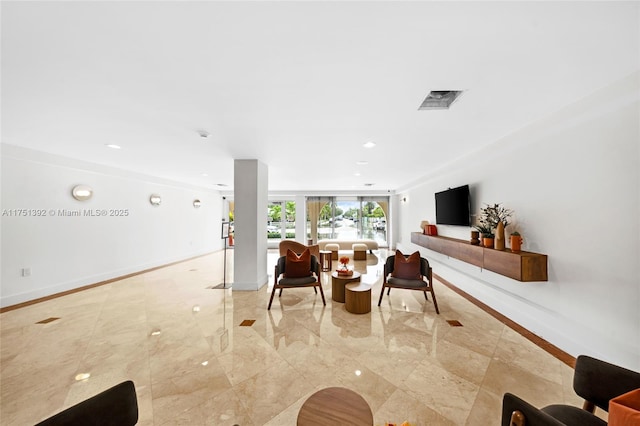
347, 218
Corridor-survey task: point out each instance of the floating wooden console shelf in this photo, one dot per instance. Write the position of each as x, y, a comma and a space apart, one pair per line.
522, 266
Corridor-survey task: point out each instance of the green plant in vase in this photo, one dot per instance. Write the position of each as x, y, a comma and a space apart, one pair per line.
483, 229
487, 240
496, 218
491, 215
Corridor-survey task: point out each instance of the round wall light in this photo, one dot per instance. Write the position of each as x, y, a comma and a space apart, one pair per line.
82, 192
155, 199
197, 203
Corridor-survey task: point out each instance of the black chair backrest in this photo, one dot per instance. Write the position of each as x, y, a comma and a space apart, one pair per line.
598, 381
389, 264
117, 406
532, 415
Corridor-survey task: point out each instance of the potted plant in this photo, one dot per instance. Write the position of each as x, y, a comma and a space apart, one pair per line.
344, 270
487, 240
491, 216
516, 242
481, 229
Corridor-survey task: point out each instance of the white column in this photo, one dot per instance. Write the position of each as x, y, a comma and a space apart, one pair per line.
250, 224
301, 219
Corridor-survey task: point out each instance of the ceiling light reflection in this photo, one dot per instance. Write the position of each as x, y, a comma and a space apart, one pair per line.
83, 376
358, 373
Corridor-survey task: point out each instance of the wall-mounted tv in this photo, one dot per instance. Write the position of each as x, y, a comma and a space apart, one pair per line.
453, 206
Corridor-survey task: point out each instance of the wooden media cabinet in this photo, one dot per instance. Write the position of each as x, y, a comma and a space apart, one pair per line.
522, 266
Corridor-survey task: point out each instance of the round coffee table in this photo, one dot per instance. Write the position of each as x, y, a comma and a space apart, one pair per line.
335, 406
338, 282
357, 298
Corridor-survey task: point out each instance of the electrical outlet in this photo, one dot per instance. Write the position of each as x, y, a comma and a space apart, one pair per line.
26, 272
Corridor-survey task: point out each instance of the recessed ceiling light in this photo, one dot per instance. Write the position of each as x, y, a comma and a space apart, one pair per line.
356, 174
221, 184
204, 134
369, 144
113, 146
369, 184
204, 175
362, 163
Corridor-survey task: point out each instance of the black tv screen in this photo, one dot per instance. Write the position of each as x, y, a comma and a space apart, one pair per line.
453, 206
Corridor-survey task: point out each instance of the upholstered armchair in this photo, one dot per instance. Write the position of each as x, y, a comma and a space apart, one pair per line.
284, 278
596, 381
422, 279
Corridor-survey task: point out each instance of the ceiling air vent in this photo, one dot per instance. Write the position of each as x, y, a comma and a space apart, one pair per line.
440, 99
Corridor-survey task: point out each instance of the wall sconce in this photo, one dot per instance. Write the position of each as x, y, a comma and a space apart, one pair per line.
82, 192
155, 199
197, 203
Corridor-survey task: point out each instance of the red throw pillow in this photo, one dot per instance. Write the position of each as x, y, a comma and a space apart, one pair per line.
407, 268
297, 266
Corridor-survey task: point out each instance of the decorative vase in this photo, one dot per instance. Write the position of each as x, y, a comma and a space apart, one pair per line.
487, 242
516, 243
499, 242
475, 238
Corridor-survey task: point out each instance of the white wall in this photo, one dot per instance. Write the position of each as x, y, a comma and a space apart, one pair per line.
573, 182
64, 252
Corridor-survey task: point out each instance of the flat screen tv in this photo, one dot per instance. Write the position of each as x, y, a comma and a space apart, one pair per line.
453, 206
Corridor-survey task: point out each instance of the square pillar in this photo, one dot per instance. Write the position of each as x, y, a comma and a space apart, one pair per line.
250, 182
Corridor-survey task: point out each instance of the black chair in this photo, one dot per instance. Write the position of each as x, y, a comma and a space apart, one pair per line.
518, 412
425, 284
116, 406
280, 281
594, 380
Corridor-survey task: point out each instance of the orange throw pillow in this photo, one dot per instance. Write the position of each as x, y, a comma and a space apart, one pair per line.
297, 266
407, 268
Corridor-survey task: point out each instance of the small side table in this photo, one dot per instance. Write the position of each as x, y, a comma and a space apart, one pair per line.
357, 298
325, 260
338, 282
335, 406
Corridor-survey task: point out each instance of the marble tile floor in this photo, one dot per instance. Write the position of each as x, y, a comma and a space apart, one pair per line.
194, 364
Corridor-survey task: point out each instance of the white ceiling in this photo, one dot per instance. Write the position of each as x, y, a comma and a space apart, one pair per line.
299, 86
